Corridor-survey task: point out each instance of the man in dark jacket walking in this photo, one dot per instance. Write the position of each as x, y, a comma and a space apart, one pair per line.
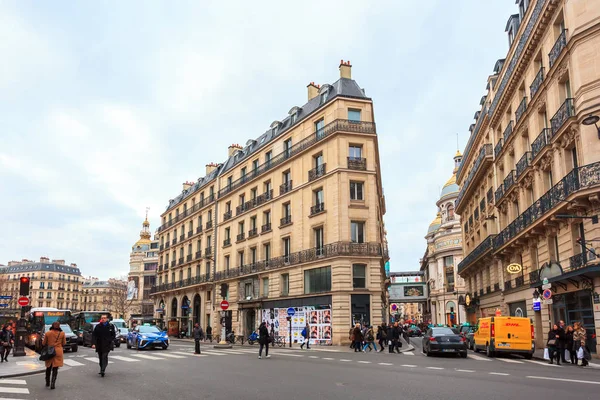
103, 340
562, 341
198, 336
263, 340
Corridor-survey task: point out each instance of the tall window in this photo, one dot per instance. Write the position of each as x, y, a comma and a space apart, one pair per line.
359, 276
268, 157
319, 128
356, 191
317, 280
318, 196
287, 210
228, 206
255, 166
354, 115
248, 290
267, 217
227, 233
209, 216
287, 147
240, 258
227, 263
318, 160
267, 186
450, 210
243, 172
241, 228
318, 235
265, 283
355, 152
267, 251
285, 284
253, 222
253, 257
207, 268
357, 232
287, 248
253, 193
287, 176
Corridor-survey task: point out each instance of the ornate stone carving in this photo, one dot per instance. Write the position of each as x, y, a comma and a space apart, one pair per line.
527, 181
511, 149
569, 136
546, 162
541, 105
562, 72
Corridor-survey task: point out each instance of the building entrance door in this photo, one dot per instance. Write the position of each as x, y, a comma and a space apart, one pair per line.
577, 307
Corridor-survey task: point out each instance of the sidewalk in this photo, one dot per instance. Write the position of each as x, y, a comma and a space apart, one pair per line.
539, 355
20, 366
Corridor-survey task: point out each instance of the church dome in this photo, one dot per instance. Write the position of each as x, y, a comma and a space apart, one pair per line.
143, 243
450, 187
435, 224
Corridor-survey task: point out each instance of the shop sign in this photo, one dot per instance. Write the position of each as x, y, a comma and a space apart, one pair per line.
514, 268
468, 300
596, 298
537, 305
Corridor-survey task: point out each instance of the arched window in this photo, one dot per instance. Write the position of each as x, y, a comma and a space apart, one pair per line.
450, 211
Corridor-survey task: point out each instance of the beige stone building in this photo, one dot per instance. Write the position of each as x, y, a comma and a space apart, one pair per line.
444, 252
530, 177
292, 219
143, 265
107, 295
53, 283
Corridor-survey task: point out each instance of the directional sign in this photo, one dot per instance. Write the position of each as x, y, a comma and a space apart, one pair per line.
224, 305
159, 310
547, 295
6, 297
3, 305
291, 311
546, 286
545, 281
23, 301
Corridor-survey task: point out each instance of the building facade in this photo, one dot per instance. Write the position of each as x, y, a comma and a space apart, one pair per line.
530, 177
52, 283
293, 219
143, 265
444, 251
110, 296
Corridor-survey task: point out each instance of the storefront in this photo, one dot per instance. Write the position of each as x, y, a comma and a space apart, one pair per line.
576, 307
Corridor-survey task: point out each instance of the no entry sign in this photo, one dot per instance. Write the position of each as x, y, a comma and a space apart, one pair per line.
224, 305
23, 301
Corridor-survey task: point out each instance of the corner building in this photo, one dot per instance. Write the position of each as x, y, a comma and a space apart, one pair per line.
293, 219
530, 178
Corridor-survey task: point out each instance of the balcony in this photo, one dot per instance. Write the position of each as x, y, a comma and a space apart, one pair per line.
198, 255
498, 147
188, 258
190, 234
226, 242
519, 281
182, 237
317, 208
580, 260
357, 163
240, 237
508, 285
490, 196
285, 221
521, 109
252, 232
203, 202
174, 242
227, 215
558, 47
162, 247
481, 250
180, 261
207, 252
338, 249
566, 111
285, 187
499, 193
484, 158
508, 131
509, 181
317, 172
578, 179
537, 82
523, 163
209, 224
540, 142
173, 263
482, 206
197, 280
339, 125
266, 228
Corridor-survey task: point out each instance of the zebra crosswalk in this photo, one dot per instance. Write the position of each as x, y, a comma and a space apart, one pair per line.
13, 388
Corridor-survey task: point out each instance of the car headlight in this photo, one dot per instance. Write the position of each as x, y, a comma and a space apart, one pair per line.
144, 337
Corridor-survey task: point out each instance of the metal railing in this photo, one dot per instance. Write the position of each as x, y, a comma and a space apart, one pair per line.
285, 187
540, 142
317, 172
484, 247
226, 242
508, 131
498, 147
266, 228
558, 47
566, 111
486, 151
285, 220
509, 181
317, 208
227, 215
252, 232
490, 196
579, 260
537, 82
521, 109
203, 202
523, 163
357, 163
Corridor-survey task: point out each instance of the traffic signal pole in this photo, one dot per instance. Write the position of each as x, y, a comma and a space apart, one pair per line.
19, 350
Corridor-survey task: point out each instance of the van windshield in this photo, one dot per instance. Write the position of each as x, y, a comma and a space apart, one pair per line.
119, 324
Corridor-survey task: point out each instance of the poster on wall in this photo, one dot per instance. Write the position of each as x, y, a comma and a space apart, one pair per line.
413, 291
319, 320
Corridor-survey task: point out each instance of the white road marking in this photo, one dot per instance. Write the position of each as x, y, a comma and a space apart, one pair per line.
233, 352
344, 360
187, 354
171, 355
14, 390
478, 358
409, 353
409, 366
436, 368
499, 373
385, 364
508, 360
74, 363
593, 365
297, 355
544, 363
214, 353
127, 359
563, 380
313, 357
147, 357
94, 359
464, 370
365, 362
14, 381
327, 358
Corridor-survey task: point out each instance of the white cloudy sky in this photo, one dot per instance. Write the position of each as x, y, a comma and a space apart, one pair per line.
107, 107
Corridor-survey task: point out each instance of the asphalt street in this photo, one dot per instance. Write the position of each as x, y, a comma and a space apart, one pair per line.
321, 373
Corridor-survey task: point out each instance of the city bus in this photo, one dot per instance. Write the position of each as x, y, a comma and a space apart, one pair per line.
37, 318
83, 319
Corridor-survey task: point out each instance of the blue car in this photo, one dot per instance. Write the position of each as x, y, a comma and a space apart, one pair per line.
146, 337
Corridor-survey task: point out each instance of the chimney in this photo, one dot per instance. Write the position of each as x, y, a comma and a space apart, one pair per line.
211, 167
345, 69
59, 262
187, 185
231, 150
44, 260
313, 91
73, 265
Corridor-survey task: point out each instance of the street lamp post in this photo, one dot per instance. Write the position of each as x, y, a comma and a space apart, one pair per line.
592, 120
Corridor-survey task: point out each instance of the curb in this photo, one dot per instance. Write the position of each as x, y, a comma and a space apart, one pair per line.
23, 374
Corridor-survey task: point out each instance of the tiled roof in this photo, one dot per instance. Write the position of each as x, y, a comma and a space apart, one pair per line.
37, 266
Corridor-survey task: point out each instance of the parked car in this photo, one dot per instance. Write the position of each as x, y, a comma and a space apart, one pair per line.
414, 331
88, 331
444, 340
147, 336
468, 331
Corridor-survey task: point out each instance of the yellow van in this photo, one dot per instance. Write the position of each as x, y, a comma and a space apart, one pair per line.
513, 335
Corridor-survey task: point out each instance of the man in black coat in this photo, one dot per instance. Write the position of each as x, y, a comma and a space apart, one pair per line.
198, 336
103, 340
562, 341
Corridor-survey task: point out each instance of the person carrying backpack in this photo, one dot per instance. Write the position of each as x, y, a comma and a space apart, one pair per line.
305, 332
369, 339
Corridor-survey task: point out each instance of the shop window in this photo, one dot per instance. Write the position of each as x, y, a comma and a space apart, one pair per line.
359, 276
317, 280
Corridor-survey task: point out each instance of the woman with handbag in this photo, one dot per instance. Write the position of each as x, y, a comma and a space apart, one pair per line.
579, 336
553, 338
7, 338
52, 353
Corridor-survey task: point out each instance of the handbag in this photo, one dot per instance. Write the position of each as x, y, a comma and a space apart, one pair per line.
546, 354
552, 342
49, 352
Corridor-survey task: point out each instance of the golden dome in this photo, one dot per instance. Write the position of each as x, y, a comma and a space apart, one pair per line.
435, 224
451, 181
458, 154
144, 234
146, 223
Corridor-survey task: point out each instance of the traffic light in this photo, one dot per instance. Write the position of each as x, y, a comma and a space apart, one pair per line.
223, 290
24, 286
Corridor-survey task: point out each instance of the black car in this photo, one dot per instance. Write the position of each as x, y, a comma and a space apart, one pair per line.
70, 337
414, 331
468, 331
444, 340
88, 331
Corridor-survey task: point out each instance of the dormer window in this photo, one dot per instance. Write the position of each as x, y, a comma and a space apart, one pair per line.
512, 26
294, 118
523, 5
324, 96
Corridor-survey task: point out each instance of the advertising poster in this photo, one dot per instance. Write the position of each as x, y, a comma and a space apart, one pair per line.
319, 320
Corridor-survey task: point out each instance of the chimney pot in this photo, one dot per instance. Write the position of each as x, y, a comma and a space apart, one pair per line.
313, 91
345, 70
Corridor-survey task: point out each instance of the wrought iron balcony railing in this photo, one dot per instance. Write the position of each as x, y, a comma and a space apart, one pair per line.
198, 255
174, 242
519, 281
508, 131
285, 220
227, 215
521, 109
537, 82
486, 151
203, 202
338, 125
188, 258
190, 234
266, 228
240, 237
208, 252
490, 196
317, 172
199, 229
226, 242
566, 111
357, 163
285, 187
558, 47
498, 147
483, 248
180, 260
317, 208
580, 260
209, 224
499, 193
523, 163
252, 232
182, 237
509, 181
540, 142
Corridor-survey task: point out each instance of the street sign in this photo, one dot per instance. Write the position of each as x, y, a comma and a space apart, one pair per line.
224, 305
23, 301
3, 305
547, 295
159, 310
291, 311
548, 301
537, 305
546, 286
545, 281
6, 297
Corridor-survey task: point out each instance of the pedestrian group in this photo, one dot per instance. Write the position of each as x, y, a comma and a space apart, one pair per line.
568, 342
